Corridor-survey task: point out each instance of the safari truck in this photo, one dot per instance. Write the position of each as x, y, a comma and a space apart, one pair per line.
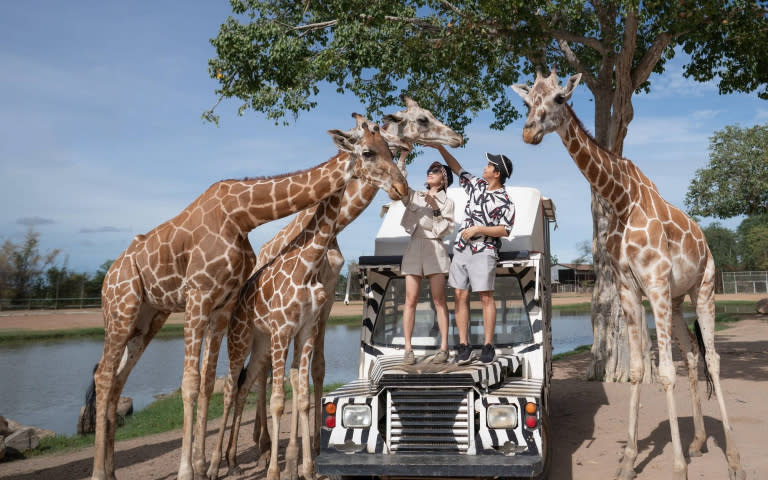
449, 420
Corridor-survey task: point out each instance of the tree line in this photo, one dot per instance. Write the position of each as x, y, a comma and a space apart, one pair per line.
27, 273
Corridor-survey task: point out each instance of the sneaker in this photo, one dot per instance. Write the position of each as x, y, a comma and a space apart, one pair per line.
488, 353
464, 352
441, 357
409, 358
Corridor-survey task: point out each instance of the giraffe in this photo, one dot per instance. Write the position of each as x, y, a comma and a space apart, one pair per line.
196, 263
656, 251
403, 128
280, 302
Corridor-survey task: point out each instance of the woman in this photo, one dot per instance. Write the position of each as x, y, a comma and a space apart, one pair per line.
428, 218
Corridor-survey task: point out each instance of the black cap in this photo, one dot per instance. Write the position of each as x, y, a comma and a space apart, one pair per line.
446, 169
502, 163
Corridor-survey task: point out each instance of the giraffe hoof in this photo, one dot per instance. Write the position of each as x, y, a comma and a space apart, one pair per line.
625, 473
737, 474
694, 453
234, 470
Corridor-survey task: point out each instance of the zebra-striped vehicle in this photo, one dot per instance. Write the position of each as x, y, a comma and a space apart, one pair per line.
446, 420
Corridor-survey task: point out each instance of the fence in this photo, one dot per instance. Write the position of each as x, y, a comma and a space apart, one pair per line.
49, 303
745, 282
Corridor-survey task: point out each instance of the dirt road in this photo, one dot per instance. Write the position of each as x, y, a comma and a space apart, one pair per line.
588, 420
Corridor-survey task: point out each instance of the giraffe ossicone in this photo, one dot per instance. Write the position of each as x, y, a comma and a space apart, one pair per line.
656, 250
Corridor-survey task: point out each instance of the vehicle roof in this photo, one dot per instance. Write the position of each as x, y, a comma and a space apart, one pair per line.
531, 212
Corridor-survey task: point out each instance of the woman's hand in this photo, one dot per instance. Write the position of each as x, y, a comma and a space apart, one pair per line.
430, 200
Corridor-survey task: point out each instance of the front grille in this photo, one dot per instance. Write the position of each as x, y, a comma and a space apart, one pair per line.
435, 420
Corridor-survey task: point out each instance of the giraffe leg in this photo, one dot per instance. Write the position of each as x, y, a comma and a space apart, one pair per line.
277, 399
138, 325
660, 299
215, 333
318, 374
194, 329
307, 463
256, 365
633, 311
260, 431
691, 357
705, 311
239, 337
292, 449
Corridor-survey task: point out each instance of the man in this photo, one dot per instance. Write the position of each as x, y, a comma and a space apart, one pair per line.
489, 215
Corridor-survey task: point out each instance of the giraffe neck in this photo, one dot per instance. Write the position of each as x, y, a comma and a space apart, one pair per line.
356, 197
251, 203
314, 239
609, 174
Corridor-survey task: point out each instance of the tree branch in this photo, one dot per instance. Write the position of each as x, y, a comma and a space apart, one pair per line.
573, 60
645, 66
586, 41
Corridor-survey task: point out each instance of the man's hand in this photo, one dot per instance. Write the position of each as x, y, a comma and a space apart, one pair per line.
470, 232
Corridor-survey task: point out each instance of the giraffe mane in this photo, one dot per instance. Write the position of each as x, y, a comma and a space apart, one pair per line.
280, 175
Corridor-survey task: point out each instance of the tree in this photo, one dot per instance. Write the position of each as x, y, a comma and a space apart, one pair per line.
585, 253
458, 56
722, 244
25, 266
753, 245
735, 182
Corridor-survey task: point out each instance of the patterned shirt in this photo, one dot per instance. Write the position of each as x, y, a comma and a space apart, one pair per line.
484, 209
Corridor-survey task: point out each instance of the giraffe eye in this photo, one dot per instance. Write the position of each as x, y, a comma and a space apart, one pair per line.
369, 154
559, 98
423, 121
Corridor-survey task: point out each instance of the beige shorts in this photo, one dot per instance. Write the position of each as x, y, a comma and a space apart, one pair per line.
424, 257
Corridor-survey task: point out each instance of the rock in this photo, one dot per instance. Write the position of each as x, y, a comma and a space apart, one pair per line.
762, 306
22, 439
2, 447
5, 429
124, 407
13, 426
42, 433
85, 423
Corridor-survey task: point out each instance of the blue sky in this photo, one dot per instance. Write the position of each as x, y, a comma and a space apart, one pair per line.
101, 136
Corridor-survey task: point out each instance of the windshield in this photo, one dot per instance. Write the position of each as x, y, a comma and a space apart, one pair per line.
512, 324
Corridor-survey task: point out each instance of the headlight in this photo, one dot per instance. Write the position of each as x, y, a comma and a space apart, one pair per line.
356, 416
502, 416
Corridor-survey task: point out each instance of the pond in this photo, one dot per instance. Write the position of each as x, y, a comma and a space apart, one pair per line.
44, 383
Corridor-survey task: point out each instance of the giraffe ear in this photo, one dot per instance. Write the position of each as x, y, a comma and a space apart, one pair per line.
392, 118
570, 86
343, 140
521, 89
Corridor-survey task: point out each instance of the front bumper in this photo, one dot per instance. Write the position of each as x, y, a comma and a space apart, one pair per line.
415, 465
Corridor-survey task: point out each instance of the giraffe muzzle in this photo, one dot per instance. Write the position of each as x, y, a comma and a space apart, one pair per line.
532, 136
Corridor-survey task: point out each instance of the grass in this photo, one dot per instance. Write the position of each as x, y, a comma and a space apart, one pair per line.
169, 330
162, 415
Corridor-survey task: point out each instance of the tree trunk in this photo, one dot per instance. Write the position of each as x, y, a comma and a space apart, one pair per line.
610, 348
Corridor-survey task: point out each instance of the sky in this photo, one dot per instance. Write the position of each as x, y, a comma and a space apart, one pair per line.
101, 136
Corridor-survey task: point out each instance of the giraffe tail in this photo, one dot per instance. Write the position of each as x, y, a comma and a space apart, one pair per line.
87, 421
703, 350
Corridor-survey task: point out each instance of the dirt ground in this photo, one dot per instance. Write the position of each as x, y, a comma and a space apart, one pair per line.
589, 420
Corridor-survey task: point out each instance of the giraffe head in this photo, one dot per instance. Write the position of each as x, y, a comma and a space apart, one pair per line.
416, 124
372, 158
546, 102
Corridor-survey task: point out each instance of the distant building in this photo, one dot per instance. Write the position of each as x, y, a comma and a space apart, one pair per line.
572, 277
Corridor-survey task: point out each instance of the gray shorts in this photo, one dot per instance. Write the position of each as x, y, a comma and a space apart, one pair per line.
477, 270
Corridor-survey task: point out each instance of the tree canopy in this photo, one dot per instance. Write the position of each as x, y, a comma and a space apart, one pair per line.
458, 57
735, 182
